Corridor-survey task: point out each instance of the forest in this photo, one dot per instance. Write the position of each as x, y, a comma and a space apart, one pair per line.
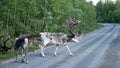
108, 11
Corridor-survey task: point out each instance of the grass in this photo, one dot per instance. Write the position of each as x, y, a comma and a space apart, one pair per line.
6, 55
10, 53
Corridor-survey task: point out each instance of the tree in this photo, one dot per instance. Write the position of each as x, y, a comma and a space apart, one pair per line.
107, 12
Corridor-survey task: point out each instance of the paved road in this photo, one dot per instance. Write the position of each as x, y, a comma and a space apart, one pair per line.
98, 49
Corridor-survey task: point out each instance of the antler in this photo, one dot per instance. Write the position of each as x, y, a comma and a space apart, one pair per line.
71, 23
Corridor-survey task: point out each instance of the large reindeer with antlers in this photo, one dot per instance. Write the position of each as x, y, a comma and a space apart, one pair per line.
59, 38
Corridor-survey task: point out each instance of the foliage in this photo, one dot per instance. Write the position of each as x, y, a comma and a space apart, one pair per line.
26, 16
108, 12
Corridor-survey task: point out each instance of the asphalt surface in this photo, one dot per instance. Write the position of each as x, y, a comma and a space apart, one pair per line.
97, 49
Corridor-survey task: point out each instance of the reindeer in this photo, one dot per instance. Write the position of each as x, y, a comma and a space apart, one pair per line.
22, 43
59, 38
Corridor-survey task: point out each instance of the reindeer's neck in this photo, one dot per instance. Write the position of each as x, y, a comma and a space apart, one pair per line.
70, 37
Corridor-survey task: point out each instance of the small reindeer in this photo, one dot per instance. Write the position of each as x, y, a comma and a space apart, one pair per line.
23, 41
58, 38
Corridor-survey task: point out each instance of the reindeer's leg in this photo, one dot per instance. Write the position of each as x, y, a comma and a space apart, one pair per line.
55, 53
16, 55
23, 55
69, 49
42, 50
25, 49
26, 56
22, 52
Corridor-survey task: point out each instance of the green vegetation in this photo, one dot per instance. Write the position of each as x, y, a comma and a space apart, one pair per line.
108, 12
19, 17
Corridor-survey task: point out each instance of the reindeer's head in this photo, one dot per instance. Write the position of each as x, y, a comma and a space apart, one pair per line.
77, 38
73, 37
71, 22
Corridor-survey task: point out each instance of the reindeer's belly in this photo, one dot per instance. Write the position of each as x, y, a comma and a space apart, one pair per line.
53, 42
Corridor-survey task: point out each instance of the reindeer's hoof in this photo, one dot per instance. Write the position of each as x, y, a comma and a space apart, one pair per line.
71, 54
55, 54
26, 62
43, 56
